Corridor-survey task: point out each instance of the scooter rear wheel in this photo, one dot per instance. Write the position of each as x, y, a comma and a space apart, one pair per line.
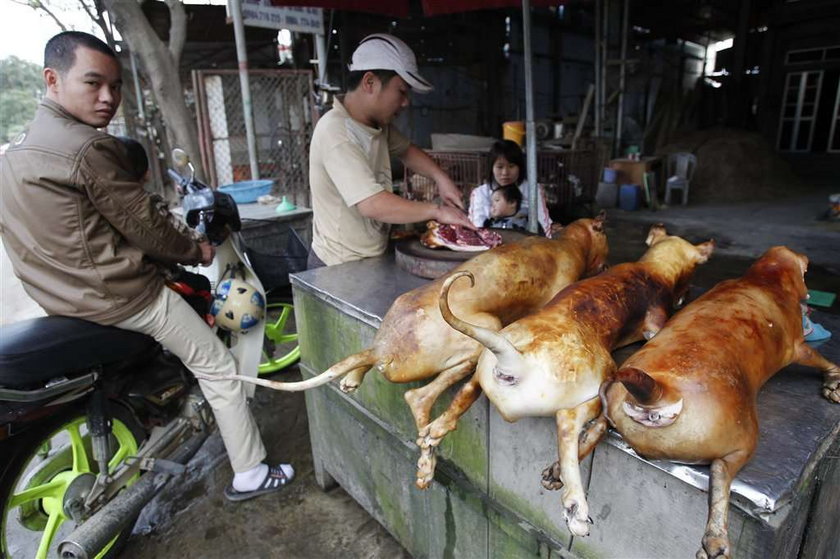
49, 466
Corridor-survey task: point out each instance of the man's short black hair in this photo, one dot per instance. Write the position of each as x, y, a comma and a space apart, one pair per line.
60, 52
355, 77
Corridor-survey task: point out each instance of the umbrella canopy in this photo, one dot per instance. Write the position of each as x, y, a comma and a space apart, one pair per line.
400, 8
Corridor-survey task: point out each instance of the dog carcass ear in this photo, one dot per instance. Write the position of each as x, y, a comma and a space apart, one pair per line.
705, 250
599, 221
640, 385
656, 233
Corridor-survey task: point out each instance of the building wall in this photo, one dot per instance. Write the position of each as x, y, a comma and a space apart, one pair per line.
797, 26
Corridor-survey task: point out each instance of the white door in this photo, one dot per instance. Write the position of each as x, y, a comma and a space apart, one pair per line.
799, 110
834, 135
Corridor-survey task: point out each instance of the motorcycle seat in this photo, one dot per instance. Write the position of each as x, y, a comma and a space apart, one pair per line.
36, 350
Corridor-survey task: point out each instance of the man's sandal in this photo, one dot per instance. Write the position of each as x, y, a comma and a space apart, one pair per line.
274, 481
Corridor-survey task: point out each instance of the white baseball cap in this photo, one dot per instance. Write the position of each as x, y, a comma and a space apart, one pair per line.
381, 51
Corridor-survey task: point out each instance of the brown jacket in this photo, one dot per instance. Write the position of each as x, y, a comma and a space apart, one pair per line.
79, 231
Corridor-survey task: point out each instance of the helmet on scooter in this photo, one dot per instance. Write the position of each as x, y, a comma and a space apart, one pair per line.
238, 306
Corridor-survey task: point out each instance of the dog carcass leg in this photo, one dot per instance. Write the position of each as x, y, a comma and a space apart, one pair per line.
431, 436
569, 425
655, 319
590, 435
716, 537
422, 399
810, 357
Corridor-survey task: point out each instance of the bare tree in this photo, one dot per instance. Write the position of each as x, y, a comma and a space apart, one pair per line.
38, 5
160, 64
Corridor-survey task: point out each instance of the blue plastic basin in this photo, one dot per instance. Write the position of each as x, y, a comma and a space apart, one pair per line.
247, 192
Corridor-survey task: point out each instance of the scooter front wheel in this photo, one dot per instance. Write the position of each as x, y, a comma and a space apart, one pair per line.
51, 469
280, 347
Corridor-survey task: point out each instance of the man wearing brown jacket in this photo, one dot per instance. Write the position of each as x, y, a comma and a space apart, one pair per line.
80, 233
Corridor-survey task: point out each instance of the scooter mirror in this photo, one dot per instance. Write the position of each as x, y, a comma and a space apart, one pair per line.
180, 158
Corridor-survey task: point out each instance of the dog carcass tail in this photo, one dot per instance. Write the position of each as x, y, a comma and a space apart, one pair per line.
640, 385
348, 364
508, 356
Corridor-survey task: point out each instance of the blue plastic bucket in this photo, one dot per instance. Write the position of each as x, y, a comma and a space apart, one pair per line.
630, 197
610, 175
247, 192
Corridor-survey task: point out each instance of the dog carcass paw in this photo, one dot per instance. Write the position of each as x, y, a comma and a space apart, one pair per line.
551, 478
426, 440
831, 391
577, 519
714, 547
348, 385
426, 468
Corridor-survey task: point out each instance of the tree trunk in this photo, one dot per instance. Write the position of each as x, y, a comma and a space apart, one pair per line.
160, 64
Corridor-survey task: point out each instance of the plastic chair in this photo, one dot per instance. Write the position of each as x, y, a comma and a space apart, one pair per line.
680, 169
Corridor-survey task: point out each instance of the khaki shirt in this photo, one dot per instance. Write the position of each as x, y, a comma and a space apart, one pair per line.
349, 162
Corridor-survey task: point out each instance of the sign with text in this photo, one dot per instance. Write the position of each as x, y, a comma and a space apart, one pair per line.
260, 13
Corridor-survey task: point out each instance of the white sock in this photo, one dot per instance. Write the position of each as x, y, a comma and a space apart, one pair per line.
253, 478
250, 479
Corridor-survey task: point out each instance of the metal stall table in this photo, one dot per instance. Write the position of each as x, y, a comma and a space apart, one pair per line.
487, 500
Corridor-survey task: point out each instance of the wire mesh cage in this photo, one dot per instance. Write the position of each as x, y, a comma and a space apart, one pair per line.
283, 121
559, 172
466, 170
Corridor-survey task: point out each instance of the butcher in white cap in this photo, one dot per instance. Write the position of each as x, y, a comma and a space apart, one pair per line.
353, 202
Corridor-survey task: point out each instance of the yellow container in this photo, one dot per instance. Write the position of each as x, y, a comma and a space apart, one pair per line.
514, 130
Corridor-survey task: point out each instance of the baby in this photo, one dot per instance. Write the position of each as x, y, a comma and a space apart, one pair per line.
505, 206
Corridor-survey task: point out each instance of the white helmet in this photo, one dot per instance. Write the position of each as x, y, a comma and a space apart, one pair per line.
238, 306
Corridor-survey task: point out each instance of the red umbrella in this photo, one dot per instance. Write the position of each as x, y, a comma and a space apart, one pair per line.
400, 8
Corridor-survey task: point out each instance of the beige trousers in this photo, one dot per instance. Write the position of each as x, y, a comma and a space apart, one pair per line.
176, 326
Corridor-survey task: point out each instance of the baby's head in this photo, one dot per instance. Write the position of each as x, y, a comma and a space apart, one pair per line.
505, 201
137, 155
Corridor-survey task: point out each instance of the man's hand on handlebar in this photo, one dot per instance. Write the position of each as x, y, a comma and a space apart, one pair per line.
207, 253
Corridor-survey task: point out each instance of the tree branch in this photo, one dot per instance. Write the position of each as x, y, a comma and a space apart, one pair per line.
159, 66
99, 20
38, 5
177, 29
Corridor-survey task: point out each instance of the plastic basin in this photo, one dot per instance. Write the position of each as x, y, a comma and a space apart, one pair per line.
247, 192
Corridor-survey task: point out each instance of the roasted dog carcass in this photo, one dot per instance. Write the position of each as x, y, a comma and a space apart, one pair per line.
553, 362
414, 343
689, 394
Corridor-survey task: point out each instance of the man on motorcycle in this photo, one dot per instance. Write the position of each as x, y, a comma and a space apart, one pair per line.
81, 231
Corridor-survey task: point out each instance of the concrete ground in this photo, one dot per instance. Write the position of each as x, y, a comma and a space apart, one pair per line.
748, 229
190, 518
